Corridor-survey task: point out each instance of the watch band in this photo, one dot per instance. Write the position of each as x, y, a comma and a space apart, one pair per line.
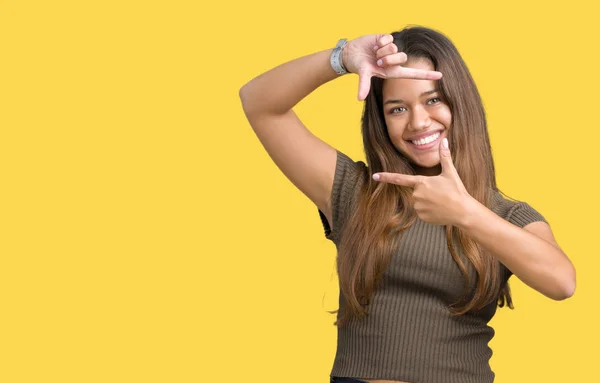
336, 57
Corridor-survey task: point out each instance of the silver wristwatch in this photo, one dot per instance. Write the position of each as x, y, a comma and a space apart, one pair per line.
336, 57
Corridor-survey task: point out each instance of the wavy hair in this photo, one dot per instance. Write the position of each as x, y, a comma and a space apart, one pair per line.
385, 211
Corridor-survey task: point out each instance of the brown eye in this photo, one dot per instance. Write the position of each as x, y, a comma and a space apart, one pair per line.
397, 110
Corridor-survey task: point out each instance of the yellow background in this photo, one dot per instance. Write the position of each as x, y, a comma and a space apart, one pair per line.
147, 236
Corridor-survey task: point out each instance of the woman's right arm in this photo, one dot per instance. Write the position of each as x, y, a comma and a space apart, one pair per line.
308, 162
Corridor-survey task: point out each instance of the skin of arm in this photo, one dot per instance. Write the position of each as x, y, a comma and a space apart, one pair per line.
268, 101
264, 94
531, 253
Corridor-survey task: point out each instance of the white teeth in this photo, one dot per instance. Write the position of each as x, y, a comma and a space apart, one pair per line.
427, 140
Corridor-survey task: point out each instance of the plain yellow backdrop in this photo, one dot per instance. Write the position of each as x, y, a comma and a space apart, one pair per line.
147, 236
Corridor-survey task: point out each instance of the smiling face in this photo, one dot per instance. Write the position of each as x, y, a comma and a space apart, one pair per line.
417, 118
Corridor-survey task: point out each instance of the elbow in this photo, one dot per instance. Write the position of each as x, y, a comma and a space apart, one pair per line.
243, 94
568, 286
243, 91
246, 98
570, 290
564, 294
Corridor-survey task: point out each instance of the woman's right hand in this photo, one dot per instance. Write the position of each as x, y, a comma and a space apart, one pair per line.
377, 55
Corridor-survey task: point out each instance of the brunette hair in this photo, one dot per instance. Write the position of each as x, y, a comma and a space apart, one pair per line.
385, 211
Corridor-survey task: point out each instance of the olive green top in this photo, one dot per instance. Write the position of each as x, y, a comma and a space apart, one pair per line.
409, 334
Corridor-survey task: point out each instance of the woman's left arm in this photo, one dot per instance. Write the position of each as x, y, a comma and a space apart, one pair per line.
531, 253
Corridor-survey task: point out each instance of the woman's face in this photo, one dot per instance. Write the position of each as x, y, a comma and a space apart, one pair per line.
417, 118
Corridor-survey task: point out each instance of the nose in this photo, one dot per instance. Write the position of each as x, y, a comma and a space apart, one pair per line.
419, 119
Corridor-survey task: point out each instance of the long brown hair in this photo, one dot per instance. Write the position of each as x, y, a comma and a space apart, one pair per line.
385, 211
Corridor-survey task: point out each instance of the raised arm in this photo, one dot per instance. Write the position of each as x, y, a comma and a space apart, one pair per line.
308, 162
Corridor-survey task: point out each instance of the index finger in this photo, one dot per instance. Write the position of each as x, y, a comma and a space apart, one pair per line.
419, 74
397, 179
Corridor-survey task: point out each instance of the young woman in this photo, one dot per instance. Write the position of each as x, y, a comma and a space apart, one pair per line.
426, 243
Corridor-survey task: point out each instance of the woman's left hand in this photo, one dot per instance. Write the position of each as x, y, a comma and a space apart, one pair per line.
438, 200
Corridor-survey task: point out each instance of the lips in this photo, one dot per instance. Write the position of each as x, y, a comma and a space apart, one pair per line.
427, 142
424, 135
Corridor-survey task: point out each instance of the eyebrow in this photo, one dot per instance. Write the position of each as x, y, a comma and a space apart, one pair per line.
400, 101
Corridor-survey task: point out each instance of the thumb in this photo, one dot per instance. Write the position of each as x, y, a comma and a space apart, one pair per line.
446, 157
364, 84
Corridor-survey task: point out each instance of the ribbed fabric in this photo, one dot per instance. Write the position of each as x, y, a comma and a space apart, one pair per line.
409, 334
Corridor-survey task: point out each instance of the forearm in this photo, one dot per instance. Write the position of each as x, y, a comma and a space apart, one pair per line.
281, 88
534, 260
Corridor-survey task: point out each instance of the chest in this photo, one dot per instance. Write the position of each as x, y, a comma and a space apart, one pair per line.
422, 261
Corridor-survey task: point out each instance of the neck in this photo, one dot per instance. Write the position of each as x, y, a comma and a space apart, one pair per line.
430, 172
